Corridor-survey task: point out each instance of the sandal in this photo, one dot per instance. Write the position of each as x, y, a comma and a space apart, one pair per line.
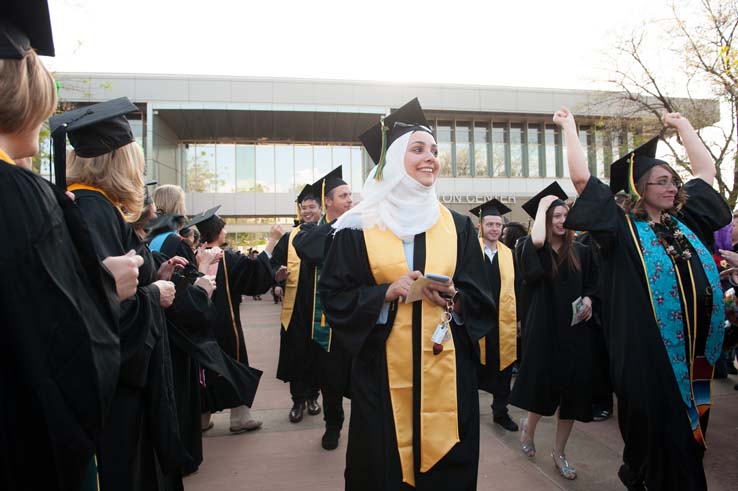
527, 446
566, 471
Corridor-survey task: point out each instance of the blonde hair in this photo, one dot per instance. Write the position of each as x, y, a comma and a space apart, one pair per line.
119, 173
170, 198
27, 94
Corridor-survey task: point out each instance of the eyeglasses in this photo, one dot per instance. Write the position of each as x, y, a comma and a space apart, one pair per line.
665, 183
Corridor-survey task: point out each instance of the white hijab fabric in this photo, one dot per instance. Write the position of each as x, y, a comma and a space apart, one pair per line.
397, 202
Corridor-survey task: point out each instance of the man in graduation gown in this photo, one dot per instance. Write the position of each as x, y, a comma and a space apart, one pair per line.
296, 349
663, 339
332, 365
498, 350
414, 390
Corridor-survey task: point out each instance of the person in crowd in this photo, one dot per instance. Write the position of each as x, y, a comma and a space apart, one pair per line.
555, 372
662, 304
235, 275
140, 442
602, 400
331, 364
60, 356
191, 237
414, 397
511, 232
498, 350
296, 349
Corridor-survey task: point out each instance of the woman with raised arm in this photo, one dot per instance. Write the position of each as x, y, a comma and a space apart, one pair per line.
555, 370
662, 303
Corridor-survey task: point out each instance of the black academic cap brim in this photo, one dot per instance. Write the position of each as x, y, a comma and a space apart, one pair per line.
202, 217
409, 117
493, 207
531, 206
164, 223
332, 180
25, 25
93, 131
643, 160
307, 192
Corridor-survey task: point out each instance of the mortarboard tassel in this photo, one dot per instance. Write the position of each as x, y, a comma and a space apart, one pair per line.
632, 191
480, 222
383, 155
322, 197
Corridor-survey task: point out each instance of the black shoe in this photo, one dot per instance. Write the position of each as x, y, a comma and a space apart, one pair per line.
313, 407
506, 422
330, 438
630, 481
732, 370
601, 414
735, 386
296, 412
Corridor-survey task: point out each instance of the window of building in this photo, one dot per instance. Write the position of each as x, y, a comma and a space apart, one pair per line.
534, 150
500, 149
322, 161
463, 149
303, 166
284, 168
357, 172
245, 169
599, 142
443, 137
225, 168
481, 149
550, 154
265, 169
516, 150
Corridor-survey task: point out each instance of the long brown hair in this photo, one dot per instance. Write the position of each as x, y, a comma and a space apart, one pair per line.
636, 206
567, 253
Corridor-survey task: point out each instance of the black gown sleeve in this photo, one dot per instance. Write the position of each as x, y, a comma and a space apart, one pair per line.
596, 212
534, 263
590, 274
705, 211
311, 243
279, 255
352, 301
249, 276
478, 307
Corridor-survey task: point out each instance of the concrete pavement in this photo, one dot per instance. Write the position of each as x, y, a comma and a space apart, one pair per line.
285, 456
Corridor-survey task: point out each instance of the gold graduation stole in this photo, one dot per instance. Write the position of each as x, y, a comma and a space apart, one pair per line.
6, 158
506, 307
293, 278
76, 186
439, 424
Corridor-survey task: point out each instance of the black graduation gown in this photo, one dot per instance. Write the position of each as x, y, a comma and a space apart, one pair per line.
353, 302
194, 348
601, 384
59, 352
556, 366
141, 440
653, 420
489, 374
332, 368
245, 277
295, 346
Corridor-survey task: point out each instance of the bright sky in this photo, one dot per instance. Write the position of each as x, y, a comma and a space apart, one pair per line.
557, 44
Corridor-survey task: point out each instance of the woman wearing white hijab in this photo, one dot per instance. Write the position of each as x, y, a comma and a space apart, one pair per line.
415, 408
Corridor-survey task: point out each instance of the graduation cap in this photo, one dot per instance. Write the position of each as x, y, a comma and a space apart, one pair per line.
164, 223
93, 131
328, 183
626, 171
307, 193
379, 137
203, 218
493, 207
25, 25
531, 206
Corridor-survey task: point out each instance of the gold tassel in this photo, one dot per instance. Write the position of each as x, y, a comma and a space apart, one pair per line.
322, 197
632, 191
